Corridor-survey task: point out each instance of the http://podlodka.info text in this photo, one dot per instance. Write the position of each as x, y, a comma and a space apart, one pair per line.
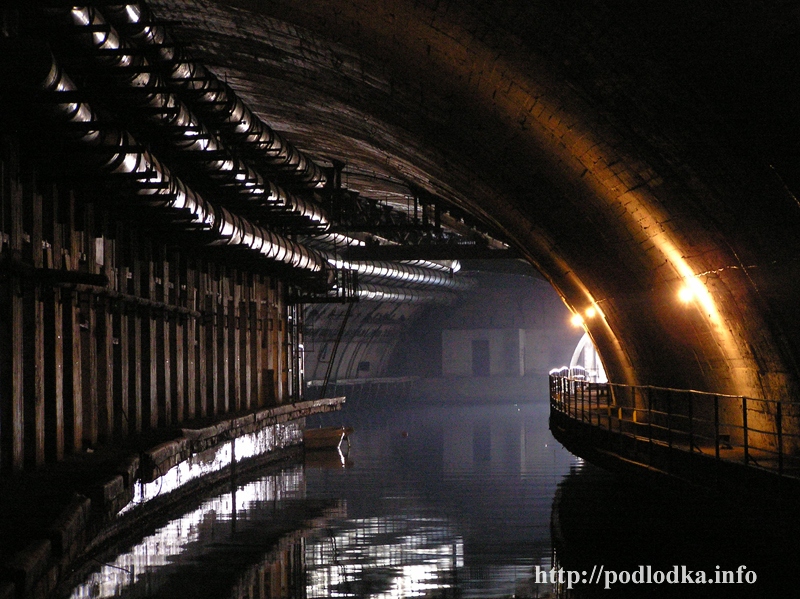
599, 575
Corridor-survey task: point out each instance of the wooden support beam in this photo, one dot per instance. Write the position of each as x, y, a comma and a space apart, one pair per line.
54, 375
178, 332
33, 322
89, 341
163, 348
212, 341
149, 346
53, 332
33, 374
250, 334
121, 359
73, 371
223, 339
73, 378
105, 367
235, 338
136, 359
11, 377
190, 341
203, 375
105, 336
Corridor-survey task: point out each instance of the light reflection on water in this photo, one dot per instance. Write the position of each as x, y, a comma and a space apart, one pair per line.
485, 476
215, 459
435, 502
447, 501
130, 574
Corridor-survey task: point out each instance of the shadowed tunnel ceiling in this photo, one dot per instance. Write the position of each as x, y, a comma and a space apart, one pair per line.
631, 151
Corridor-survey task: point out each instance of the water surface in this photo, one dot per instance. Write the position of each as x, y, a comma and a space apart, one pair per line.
446, 501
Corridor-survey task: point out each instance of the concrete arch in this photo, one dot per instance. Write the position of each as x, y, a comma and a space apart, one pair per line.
574, 131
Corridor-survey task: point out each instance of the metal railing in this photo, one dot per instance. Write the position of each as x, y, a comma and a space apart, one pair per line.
756, 433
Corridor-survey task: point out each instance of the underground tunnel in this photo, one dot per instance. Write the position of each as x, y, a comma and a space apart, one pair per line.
465, 229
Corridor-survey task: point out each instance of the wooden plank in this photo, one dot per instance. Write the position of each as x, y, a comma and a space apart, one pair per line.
249, 335
236, 342
200, 335
149, 346
191, 342
33, 340
54, 376
54, 335
105, 367
223, 339
17, 421
212, 343
11, 359
89, 339
278, 344
106, 315
176, 297
151, 335
163, 353
73, 379
121, 359
11, 379
137, 383
33, 374
260, 299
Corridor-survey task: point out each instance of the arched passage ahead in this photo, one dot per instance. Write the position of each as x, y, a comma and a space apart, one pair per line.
629, 152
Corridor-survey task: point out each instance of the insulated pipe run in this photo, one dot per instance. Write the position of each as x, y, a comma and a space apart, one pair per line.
337, 240
446, 265
158, 188
367, 292
164, 108
217, 98
402, 273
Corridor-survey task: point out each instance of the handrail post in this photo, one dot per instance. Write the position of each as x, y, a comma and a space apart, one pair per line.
574, 397
691, 423
779, 424
573, 406
669, 419
650, 425
716, 427
583, 401
744, 427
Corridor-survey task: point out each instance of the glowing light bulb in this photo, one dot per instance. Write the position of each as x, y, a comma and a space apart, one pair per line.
576, 320
686, 294
591, 312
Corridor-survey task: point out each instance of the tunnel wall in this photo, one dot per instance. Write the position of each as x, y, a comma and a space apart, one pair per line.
109, 328
615, 149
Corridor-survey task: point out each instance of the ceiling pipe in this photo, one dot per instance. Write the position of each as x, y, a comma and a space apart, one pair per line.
368, 292
193, 76
334, 241
402, 273
117, 152
131, 69
219, 102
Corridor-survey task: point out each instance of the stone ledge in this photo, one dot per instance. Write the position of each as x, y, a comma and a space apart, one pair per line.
35, 571
29, 566
7, 590
68, 532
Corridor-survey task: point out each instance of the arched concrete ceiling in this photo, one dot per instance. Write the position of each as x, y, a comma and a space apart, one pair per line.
628, 149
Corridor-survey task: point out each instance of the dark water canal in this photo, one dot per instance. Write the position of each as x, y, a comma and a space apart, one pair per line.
452, 501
